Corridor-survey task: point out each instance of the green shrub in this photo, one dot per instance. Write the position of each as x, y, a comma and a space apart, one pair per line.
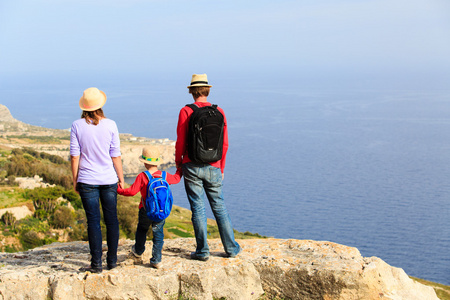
127, 213
28, 162
79, 228
10, 249
30, 239
63, 217
8, 218
31, 223
79, 232
73, 198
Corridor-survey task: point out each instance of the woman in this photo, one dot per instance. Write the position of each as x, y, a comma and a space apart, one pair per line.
96, 168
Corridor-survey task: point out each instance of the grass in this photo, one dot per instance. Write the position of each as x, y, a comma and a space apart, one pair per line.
11, 196
442, 291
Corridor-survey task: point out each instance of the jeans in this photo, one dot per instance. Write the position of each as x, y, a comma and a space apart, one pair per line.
144, 224
91, 196
200, 179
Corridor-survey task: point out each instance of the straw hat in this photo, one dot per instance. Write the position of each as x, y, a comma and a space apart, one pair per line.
199, 80
92, 99
150, 155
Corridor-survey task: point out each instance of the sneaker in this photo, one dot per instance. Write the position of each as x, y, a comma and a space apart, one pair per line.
91, 269
133, 250
196, 257
155, 266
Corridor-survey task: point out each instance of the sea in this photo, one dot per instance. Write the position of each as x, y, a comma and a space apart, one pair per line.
367, 168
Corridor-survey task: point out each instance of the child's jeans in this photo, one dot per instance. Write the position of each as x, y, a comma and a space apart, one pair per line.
144, 224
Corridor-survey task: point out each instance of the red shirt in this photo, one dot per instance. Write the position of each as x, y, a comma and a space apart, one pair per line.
141, 181
181, 155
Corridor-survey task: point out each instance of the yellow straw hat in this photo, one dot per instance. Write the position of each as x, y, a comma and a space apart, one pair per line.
92, 99
150, 155
199, 80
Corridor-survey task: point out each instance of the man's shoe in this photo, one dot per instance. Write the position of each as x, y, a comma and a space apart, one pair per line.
133, 250
110, 267
155, 266
233, 256
91, 269
196, 257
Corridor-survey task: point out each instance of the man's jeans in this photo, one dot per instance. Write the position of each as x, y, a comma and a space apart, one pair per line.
141, 236
200, 179
91, 196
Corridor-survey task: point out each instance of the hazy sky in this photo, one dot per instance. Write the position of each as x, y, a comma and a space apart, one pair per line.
259, 36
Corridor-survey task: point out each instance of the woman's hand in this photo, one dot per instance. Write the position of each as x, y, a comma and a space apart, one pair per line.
75, 187
121, 185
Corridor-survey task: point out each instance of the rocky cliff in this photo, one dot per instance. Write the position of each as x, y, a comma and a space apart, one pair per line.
266, 269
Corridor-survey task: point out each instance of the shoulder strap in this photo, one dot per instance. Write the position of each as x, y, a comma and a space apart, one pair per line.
149, 176
164, 175
192, 106
214, 106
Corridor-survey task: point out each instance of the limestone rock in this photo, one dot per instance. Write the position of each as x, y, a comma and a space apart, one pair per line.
19, 212
287, 269
5, 114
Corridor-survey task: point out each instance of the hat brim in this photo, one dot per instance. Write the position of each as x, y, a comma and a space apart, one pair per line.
201, 84
154, 163
95, 107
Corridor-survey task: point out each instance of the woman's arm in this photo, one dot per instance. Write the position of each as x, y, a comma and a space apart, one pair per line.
75, 163
117, 162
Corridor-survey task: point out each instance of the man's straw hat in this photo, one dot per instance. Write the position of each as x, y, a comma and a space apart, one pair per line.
150, 155
92, 99
199, 80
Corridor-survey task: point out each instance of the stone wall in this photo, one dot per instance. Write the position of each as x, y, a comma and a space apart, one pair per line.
266, 269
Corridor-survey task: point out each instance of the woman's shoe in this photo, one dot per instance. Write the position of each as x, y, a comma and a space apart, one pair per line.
91, 269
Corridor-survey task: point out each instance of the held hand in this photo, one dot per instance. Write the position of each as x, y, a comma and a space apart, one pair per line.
222, 176
121, 185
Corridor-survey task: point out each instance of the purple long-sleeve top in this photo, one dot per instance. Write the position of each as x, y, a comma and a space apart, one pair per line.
95, 144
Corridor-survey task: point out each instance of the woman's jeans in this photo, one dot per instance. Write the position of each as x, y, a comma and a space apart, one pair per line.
202, 179
141, 236
92, 196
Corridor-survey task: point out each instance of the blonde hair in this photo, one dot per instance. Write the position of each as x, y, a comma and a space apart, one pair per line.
198, 91
93, 117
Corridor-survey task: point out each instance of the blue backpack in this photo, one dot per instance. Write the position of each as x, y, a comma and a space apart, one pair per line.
159, 200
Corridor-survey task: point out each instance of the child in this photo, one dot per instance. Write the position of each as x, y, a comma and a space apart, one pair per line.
151, 159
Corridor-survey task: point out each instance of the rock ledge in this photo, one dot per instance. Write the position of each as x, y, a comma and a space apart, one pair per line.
266, 269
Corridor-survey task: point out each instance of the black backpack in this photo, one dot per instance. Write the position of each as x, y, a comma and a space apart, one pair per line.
205, 134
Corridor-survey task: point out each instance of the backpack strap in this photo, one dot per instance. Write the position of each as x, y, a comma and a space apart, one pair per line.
164, 175
149, 176
192, 106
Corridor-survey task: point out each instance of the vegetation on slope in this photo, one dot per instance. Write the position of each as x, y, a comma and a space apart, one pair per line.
58, 212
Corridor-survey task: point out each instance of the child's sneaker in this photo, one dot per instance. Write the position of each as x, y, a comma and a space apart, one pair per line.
133, 251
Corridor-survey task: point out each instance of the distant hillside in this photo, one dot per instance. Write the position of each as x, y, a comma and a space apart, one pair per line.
16, 134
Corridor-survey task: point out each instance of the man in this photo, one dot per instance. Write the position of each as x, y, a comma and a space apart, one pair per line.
200, 178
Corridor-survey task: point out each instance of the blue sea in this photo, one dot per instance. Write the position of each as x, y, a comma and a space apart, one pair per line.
367, 168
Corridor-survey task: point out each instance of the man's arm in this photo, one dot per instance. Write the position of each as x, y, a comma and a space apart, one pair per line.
180, 145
